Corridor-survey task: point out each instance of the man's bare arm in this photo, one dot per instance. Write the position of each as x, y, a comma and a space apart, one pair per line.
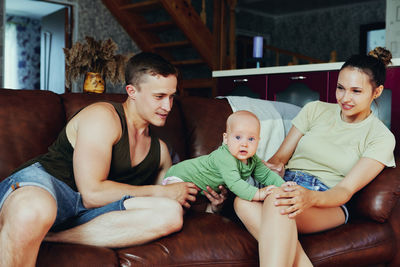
98, 128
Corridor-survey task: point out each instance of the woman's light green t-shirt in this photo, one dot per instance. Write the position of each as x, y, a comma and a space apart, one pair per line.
330, 147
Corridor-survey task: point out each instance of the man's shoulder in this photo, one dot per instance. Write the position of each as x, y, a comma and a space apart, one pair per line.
103, 112
101, 106
100, 116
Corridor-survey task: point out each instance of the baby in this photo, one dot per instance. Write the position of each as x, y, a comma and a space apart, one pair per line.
232, 163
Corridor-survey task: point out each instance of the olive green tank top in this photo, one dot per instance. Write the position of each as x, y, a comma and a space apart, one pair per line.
58, 160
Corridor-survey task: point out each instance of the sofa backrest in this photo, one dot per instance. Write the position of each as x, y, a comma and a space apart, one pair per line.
29, 122
205, 120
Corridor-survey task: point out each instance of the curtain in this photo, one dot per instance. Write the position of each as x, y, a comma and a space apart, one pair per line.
23, 49
11, 57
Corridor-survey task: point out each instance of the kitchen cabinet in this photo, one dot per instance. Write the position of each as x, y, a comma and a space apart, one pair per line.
300, 87
392, 88
251, 86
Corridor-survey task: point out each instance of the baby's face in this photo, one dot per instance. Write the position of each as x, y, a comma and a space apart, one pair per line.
242, 139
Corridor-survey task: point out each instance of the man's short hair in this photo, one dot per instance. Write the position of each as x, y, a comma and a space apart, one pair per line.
147, 63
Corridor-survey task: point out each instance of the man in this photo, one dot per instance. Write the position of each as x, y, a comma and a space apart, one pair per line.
107, 154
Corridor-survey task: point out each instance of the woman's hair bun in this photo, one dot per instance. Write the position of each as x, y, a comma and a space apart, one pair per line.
382, 54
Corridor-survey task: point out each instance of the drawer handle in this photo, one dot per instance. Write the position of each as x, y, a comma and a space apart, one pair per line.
298, 77
240, 80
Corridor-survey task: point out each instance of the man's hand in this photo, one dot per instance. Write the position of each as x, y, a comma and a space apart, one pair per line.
217, 200
184, 192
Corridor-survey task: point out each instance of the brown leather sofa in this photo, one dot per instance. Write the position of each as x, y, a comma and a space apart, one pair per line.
31, 120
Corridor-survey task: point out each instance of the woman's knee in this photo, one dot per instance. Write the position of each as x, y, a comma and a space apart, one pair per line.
239, 204
270, 208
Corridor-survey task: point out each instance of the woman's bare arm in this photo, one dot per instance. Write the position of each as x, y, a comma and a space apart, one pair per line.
277, 162
363, 172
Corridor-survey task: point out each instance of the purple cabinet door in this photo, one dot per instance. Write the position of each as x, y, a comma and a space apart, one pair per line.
298, 88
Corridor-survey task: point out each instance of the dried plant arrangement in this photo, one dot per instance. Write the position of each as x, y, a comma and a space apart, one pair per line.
94, 56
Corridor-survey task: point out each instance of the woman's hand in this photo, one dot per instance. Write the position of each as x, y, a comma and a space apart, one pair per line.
217, 200
296, 197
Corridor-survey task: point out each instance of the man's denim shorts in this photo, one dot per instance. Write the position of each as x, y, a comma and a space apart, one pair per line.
70, 209
312, 183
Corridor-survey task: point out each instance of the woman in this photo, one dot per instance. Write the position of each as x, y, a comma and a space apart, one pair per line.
332, 151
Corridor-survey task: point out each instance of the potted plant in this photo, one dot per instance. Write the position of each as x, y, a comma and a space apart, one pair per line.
97, 61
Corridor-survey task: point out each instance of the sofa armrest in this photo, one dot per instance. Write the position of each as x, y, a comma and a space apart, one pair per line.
377, 200
395, 223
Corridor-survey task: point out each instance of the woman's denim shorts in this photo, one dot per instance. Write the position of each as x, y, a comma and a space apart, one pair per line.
70, 209
312, 183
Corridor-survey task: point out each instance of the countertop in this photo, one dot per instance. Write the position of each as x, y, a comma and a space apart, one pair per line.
286, 69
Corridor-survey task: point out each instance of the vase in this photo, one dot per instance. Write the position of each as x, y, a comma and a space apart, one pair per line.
94, 83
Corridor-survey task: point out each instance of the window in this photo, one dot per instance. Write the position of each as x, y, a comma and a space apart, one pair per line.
371, 36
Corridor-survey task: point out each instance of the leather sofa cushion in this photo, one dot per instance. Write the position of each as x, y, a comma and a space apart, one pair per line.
359, 243
67, 255
205, 240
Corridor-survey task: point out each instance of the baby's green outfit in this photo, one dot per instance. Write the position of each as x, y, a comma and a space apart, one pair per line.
221, 168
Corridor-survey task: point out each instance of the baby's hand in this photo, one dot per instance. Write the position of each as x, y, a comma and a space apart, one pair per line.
289, 183
263, 193
268, 189
288, 186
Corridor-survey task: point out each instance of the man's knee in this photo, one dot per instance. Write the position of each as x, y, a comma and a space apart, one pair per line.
171, 216
166, 214
29, 209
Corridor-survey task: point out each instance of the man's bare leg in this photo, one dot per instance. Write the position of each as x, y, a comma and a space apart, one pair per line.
25, 218
145, 219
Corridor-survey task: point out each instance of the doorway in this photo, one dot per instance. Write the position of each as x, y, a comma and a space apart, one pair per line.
36, 33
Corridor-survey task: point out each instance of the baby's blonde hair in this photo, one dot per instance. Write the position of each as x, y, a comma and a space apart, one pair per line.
240, 114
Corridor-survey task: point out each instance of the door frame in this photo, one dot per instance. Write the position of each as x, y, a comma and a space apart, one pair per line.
71, 24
